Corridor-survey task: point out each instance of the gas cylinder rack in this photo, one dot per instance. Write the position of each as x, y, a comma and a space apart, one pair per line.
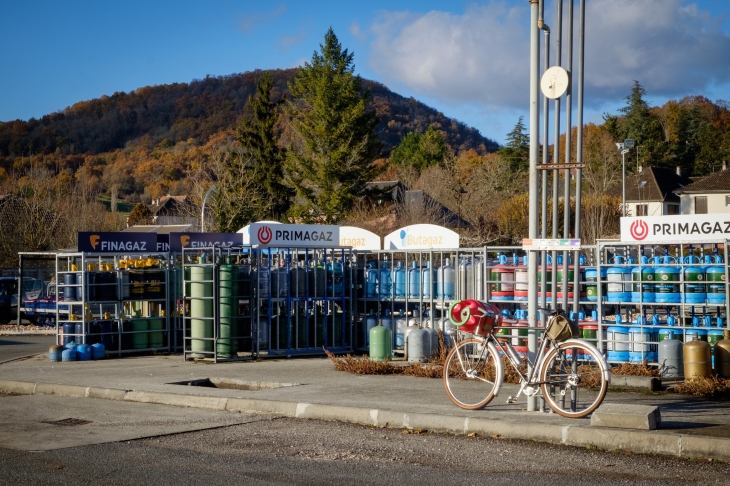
402, 288
116, 300
214, 303
649, 292
304, 300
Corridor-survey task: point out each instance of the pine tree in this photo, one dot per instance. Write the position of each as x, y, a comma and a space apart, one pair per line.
332, 157
420, 150
517, 149
259, 143
641, 126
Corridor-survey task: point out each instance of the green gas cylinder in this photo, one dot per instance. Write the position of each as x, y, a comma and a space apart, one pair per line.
227, 346
381, 343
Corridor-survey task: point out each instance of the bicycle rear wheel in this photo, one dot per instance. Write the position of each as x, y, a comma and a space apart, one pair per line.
470, 374
573, 382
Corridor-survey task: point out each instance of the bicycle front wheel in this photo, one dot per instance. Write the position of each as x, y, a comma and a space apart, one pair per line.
573, 382
470, 374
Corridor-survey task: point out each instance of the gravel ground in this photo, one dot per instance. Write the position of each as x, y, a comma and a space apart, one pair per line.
271, 450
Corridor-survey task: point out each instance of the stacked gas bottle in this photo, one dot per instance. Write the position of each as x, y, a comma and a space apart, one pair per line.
414, 283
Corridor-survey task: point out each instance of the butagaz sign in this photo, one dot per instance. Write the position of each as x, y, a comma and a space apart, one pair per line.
421, 236
674, 229
295, 235
178, 241
106, 242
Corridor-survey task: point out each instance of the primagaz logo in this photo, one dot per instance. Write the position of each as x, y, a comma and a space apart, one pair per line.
264, 235
639, 230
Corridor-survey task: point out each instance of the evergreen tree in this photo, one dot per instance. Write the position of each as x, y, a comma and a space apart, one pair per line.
517, 149
140, 214
639, 124
332, 157
259, 143
420, 150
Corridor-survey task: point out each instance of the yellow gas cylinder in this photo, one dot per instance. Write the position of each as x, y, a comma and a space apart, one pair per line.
697, 360
722, 355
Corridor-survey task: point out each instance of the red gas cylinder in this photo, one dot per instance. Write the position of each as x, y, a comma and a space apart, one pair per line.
502, 276
521, 274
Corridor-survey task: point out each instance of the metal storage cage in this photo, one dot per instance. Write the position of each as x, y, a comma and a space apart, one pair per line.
646, 291
117, 300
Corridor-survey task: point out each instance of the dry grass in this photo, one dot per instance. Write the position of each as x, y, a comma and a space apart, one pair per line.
361, 365
712, 387
635, 369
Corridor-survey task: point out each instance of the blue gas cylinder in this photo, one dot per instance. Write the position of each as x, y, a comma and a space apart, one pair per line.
68, 331
617, 343
445, 281
69, 293
83, 352
715, 278
414, 282
385, 284
371, 281
427, 281
640, 344
399, 281
54, 353
695, 286
97, 351
69, 354
643, 288
619, 282
691, 332
667, 284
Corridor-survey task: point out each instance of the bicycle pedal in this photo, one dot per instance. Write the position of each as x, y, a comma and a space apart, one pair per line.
511, 400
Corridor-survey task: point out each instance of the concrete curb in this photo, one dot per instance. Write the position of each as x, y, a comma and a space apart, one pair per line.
646, 442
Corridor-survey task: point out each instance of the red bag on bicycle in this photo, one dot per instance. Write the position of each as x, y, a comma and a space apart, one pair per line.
474, 317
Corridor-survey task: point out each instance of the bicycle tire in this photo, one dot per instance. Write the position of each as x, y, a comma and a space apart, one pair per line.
559, 379
472, 374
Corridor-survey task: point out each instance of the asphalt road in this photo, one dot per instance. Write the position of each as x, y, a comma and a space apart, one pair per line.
266, 449
12, 347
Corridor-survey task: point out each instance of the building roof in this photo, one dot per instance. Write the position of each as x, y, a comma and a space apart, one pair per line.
715, 182
156, 228
168, 205
653, 184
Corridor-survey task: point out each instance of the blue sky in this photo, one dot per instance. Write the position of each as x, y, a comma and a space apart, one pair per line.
468, 59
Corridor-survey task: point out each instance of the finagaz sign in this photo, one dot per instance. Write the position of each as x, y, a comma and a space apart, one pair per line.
420, 237
675, 229
178, 241
117, 242
295, 235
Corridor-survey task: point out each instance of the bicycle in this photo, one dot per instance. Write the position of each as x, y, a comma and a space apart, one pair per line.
571, 374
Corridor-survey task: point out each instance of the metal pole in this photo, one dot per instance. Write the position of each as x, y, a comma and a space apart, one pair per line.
545, 159
623, 182
534, 156
556, 157
202, 212
568, 151
579, 149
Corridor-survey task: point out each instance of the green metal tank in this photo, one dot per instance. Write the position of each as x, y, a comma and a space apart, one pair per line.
381, 343
201, 311
140, 338
157, 334
227, 345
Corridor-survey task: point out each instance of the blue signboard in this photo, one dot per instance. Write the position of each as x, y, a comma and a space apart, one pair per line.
102, 242
163, 243
178, 241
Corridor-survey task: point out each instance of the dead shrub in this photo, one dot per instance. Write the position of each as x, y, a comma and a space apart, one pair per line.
712, 387
362, 365
635, 369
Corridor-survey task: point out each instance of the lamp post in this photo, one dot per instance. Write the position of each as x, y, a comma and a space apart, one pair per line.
624, 148
461, 192
202, 212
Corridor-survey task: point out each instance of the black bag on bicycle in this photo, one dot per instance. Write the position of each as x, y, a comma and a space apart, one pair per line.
560, 329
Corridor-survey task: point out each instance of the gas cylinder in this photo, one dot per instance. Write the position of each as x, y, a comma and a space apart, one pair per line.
503, 280
386, 320
642, 288
371, 281
54, 353
667, 283
640, 347
691, 333
714, 335
695, 288
433, 338
418, 345
521, 275
571, 280
385, 282
619, 282
227, 346
298, 282
715, 278
547, 286
415, 319
670, 356
617, 343
401, 322
427, 281
592, 283
280, 281
445, 281
399, 281
381, 343
336, 279
414, 281
721, 355
98, 351
69, 281
474, 279
697, 359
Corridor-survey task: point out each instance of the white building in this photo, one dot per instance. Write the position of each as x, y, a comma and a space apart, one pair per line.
707, 195
650, 192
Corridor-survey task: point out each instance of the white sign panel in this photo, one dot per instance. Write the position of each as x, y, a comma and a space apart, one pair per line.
295, 235
246, 230
358, 238
673, 229
550, 244
420, 237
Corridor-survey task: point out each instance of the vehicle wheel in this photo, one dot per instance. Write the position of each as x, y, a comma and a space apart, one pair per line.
573, 382
470, 374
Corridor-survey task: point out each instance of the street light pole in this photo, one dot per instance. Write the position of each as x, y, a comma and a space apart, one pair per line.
624, 151
202, 212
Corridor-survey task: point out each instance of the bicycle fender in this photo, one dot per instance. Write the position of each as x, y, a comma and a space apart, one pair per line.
499, 367
602, 363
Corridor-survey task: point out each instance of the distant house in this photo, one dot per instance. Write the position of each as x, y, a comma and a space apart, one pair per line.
174, 210
650, 192
707, 195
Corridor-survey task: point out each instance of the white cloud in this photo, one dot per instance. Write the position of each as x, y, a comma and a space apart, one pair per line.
672, 47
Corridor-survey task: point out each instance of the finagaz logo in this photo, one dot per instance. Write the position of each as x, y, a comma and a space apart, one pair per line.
94, 240
264, 235
184, 240
639, 230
